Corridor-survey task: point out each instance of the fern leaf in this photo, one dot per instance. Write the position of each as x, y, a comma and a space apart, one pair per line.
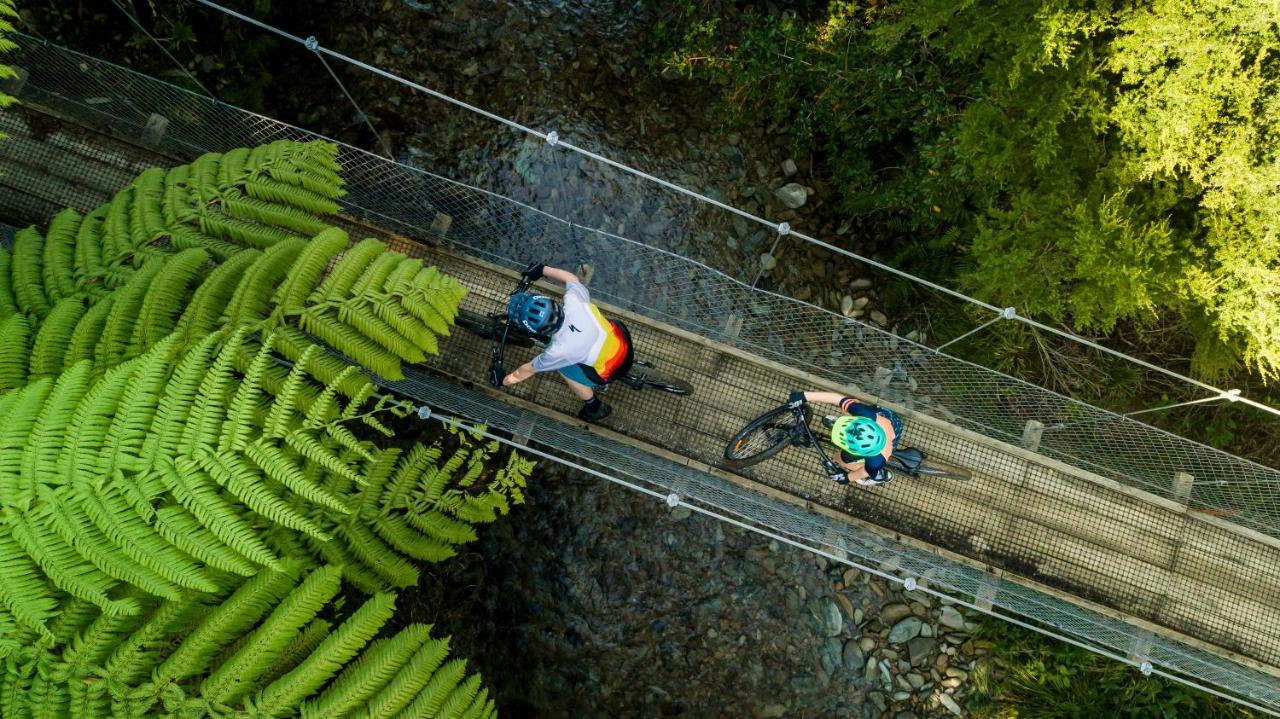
185, 532
360, 348
283, 193
184, 237
250, 302
243, 232
15, 337
59, 255
166, 295
237, 677
88, 332
204, 313
23, 590
305, 273
54, 338
134, 657
117, 334
287, 692
199, 495
349, 267
273, 214
374, 554
8, 306
239, 478
173, 414
76, 529
88, 249
228, 621
40, 457
430, 548
277, 465
411, 680
63, 565
373, 670
27, 270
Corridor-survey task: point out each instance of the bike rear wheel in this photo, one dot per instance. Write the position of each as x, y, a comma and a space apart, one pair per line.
645, 376
762, 438
942, 470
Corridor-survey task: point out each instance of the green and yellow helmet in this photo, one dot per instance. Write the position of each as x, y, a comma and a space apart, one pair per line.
859, 435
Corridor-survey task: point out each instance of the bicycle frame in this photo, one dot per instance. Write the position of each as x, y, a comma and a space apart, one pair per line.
834, 471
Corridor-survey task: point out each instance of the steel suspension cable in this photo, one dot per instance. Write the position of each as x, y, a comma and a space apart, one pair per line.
553, 138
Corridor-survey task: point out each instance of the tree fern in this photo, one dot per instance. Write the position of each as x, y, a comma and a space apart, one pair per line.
15, 334
363, 678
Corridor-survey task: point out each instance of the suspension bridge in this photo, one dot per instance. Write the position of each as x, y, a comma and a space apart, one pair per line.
1133, 542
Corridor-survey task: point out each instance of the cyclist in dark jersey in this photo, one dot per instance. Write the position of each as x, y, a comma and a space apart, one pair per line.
866, 436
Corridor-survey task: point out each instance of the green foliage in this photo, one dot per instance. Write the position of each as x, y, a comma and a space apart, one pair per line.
8, 13
257, 650
1119, 154
1043, 678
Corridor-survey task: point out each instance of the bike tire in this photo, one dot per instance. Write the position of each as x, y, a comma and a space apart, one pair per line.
942, 470
649, 377
779, 418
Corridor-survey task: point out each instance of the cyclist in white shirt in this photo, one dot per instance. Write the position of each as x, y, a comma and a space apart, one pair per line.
585, 347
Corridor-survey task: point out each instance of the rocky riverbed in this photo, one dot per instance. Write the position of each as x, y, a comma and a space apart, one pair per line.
594, 601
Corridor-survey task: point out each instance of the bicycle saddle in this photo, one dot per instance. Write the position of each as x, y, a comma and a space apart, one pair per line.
910, 457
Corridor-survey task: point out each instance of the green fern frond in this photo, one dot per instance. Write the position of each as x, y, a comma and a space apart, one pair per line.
231, 167
349, 268
359, 347
185, 532
185, 237
430, 548
28, 273
299, 648
365, 321
53, 339
88, 249
455, 703
245, 404
252, 298
211, 299
273, 214
116, 231
228, 621
59, 255
24, 593
239, 675
410, 681
173, 413
199, 494
305, 273
283, 193
373, 670
240, 479
15, 338
40, 456
287, 693
376, 555
8, 306
135, 656
241, 231
276, 463
167, 295
117, 334
62, 564
88, 332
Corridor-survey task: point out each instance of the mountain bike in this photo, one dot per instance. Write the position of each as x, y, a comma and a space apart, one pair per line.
499, 328
788, 426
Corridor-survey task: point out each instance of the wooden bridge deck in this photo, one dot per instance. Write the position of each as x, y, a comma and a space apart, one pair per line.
1195, 578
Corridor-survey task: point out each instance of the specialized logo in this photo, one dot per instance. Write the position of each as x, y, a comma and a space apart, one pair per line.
574, 329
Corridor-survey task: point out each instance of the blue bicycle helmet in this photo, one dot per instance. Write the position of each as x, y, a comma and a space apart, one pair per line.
535, 314
860, 435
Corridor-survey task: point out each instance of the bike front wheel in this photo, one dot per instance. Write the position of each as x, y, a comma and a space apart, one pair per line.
762, 437
489, 327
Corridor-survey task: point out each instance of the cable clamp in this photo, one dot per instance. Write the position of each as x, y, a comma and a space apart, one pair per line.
1146, 668
311, 43
783, 229
1231, 395
553, 138
424, 412
673, 500
1008, 313
909, 584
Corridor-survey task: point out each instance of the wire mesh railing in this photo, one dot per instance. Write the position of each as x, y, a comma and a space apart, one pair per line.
721, 305
689, 294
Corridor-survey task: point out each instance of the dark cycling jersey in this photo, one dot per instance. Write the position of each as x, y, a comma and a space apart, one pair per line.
873, 465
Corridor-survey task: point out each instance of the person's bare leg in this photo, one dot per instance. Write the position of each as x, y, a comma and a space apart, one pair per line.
582, 391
